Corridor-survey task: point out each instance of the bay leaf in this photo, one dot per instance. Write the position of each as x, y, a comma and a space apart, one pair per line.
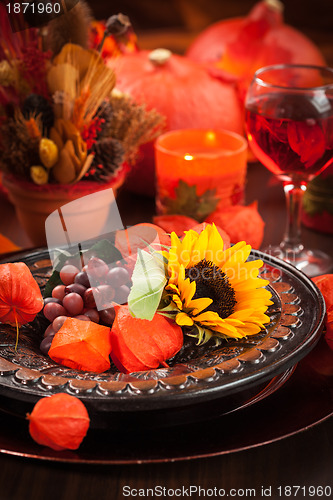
148, 284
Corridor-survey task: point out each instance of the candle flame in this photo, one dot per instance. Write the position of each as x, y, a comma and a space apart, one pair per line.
211, 136
188, 157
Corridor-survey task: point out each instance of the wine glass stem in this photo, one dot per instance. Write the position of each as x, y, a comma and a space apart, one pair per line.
292, 238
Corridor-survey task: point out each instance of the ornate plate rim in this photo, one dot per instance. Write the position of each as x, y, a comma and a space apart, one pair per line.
128, 393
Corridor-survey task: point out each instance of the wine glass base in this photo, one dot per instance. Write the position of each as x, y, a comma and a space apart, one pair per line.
310, 262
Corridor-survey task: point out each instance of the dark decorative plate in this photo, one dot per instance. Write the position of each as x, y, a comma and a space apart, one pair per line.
233, 373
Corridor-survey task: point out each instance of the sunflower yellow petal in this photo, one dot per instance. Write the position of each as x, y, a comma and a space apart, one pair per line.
215, 251
185, 251
209, 318
228, 330
238, 257
187, 292
183, 319
177, 301
199, 248
172, 286
250, 284
231, 250
198, 305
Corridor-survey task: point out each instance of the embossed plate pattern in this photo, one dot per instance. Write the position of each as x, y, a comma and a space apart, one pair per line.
203, 375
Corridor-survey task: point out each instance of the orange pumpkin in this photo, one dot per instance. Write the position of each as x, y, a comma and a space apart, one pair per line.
239, 46
180, 90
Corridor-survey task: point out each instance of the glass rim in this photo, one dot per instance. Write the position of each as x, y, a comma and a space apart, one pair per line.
273, 67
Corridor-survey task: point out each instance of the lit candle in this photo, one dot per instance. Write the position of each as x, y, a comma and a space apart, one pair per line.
199, 171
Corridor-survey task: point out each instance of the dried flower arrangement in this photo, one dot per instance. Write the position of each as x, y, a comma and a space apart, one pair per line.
61, 119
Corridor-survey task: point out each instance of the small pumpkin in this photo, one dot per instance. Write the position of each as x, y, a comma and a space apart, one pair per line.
182, 91
239, 46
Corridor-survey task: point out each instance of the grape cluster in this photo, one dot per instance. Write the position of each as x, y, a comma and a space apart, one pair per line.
77, 298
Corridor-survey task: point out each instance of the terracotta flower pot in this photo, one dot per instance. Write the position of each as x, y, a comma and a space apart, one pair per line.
33, 203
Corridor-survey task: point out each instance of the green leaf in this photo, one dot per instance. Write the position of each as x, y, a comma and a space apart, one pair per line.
205, 334
54, 280
188, 202
106, 251
52, 283
148, 284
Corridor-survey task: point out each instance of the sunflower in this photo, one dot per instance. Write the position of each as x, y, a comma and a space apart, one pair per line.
215, 291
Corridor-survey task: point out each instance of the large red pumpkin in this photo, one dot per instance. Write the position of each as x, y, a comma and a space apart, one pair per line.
182, 91
239, 46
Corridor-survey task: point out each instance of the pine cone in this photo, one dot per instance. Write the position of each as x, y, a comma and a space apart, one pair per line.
109, 156
105, 112
37, 105
20, 151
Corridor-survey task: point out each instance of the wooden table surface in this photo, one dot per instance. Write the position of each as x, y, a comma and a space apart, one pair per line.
305, 459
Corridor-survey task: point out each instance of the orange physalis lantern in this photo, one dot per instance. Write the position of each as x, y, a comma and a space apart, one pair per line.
240, 223
139, 344
325, 285
82, 345
60, 422
20, 296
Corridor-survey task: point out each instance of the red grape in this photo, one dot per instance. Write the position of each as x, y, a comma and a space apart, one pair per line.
122, 294
52, 310
107, 294
82, 317
93, 315
58, 292
73, 303
97, 268
58, 322
49, 331
52, 299
46, 344
82, 279
76, 288
107, 316
89, 299
117, 276
68, 273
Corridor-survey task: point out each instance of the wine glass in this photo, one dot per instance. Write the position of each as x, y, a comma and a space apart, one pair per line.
289, 122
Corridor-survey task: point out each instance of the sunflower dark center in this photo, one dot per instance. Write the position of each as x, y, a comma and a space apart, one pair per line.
213, 283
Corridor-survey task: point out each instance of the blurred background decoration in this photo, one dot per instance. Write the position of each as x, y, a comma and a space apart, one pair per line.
113, 139
64, 130
230, 43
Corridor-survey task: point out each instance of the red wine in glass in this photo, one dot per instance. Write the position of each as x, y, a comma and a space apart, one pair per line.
289, 122
300, 145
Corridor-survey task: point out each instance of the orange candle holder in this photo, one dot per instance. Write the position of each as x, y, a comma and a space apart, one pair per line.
199, 171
